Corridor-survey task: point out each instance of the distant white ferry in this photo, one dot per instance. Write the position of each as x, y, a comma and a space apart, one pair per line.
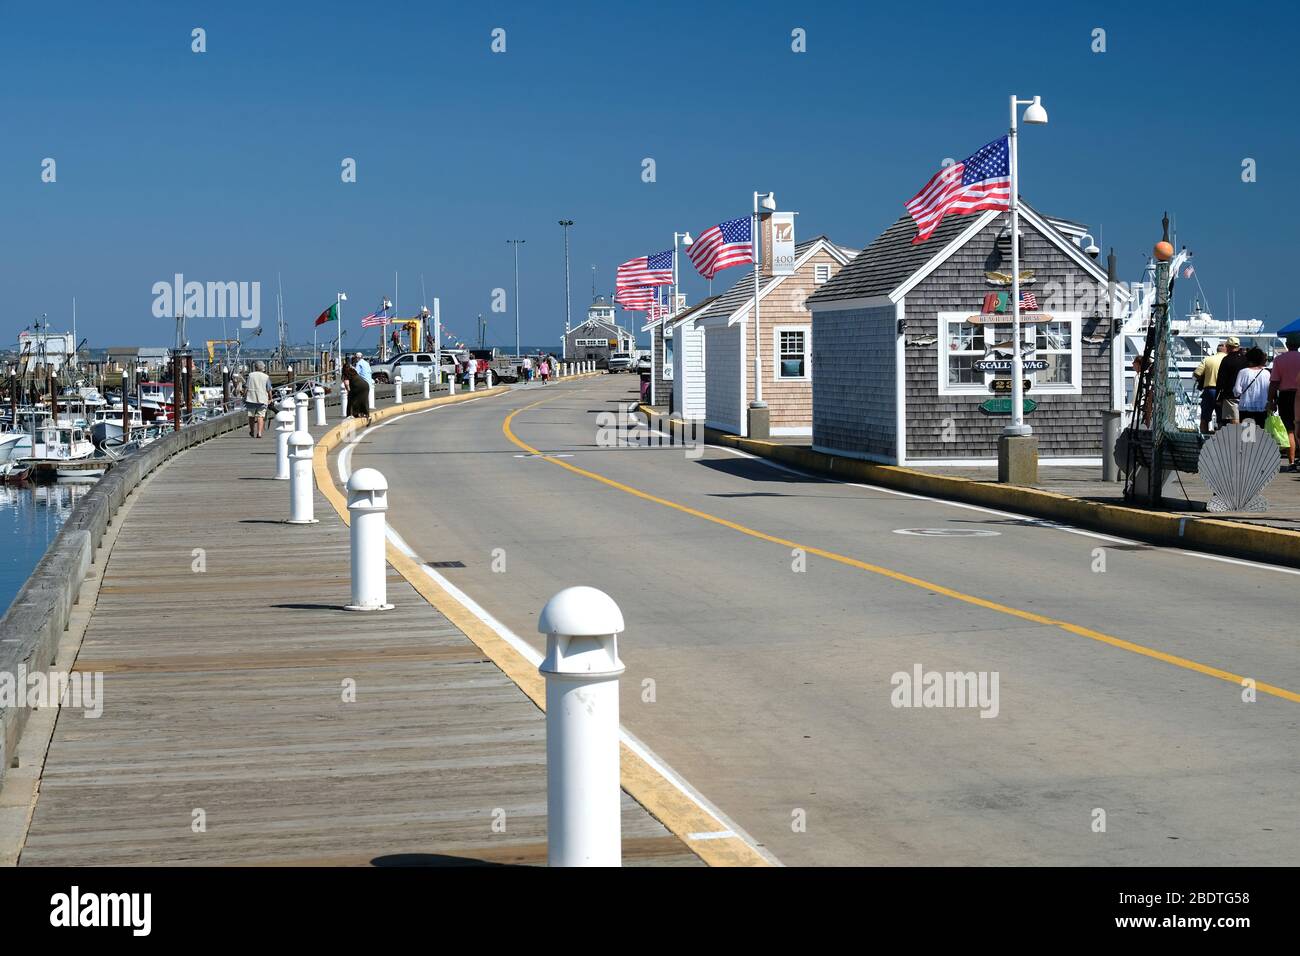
1195, 337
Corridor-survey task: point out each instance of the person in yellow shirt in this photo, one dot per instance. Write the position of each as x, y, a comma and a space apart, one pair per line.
1207, 376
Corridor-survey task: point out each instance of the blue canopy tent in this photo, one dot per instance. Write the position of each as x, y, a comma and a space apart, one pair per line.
1291, 328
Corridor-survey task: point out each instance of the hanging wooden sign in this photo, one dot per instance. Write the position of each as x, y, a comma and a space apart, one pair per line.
1004, 318
1005, 365
1004, 385
1002, 406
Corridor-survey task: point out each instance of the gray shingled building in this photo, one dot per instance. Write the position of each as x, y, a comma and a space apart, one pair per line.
895, 353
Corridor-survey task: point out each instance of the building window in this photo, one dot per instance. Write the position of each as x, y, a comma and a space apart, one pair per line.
793, 358
961, 344
1055, 345
822, 273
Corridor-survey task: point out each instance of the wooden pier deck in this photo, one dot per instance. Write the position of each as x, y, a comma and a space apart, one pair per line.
224, 700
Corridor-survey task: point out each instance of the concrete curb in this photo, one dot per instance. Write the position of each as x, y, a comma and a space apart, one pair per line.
1193, 532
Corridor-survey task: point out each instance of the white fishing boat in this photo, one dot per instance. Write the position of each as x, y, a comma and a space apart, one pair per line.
107, 425
58, 444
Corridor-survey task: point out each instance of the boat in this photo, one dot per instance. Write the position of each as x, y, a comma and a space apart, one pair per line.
108, 424
1192, 339
68, 449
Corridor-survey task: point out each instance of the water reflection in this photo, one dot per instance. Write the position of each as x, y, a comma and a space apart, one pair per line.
30, 517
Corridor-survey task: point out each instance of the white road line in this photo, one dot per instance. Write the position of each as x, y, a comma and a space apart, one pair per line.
534, 657
1028, 519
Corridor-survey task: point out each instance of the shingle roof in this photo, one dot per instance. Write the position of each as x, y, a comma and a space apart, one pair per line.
886, 264
742, 292
692, 311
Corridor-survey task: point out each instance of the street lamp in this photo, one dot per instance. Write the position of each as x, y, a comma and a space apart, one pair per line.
517, 243
1037, 116
568, 309
767, 202
342, 297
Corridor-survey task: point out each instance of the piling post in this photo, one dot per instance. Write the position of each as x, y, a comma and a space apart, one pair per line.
367, 505
283, 429
581, 669
301, 484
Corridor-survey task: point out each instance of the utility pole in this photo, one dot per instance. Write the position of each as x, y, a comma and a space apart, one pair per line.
568, 308
517, 243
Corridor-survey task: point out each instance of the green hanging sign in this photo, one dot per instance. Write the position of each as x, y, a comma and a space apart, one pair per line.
1002, 406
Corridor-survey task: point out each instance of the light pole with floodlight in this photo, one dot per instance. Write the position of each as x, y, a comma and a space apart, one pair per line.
568, 309
338, 318
517, 243
1034, 115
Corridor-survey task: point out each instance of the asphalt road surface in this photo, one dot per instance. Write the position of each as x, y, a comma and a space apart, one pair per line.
772, 611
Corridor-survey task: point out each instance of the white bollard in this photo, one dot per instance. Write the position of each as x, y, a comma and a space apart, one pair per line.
487, 378
471, 376
318, 394
300, 423
425, 376
367, 503
397, 390
301, 484
451, 384
370, 401
283, 429
581, 668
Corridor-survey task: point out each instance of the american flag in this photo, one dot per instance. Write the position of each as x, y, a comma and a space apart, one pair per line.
1029, 301
637, 299
646, 270
378, 318
980, 181
725, 245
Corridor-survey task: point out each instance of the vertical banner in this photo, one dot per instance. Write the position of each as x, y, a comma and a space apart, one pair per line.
778, 251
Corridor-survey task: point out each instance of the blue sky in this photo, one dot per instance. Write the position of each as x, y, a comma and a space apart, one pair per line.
225, 166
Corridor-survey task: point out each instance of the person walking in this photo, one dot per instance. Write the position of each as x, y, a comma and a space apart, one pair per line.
1282, 385
257, 397
1252, 387
544, 368
1206, 375
469, 370
528, 369
1233, 361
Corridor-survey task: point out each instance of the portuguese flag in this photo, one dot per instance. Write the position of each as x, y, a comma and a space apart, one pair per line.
329, 315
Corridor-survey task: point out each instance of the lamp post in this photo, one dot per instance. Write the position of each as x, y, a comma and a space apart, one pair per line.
517, 243
1034, 115
768, 203
568, 310
338, 305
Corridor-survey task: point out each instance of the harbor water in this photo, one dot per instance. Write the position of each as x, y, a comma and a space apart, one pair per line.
30, 517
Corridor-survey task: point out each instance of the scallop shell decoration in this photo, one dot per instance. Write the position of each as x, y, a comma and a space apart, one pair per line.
1237, 463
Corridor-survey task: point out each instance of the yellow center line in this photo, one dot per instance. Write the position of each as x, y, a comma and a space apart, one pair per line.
898, 575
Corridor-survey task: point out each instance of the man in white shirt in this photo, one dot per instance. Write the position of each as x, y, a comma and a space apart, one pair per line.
257, 397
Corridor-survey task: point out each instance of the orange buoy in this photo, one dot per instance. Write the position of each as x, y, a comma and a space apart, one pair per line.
1164, 251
